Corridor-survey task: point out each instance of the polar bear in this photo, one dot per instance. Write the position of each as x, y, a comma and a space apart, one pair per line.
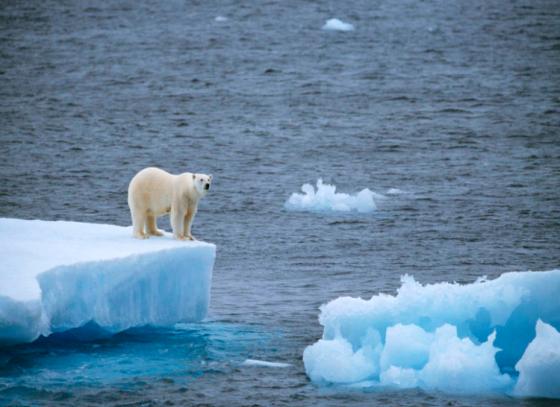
154, 192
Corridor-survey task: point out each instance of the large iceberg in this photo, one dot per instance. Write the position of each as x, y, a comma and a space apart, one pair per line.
326, 199
56, 276
498, 336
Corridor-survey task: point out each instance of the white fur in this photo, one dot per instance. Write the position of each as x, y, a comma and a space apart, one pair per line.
154, 192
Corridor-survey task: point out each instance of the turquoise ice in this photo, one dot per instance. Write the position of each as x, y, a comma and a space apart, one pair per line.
498, 336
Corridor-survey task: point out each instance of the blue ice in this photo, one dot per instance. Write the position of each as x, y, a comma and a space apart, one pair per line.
488, 337
56, 276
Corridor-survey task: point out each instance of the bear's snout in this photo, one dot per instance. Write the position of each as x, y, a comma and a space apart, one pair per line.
207, 186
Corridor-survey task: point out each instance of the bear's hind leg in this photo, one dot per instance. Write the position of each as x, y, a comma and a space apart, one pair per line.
151, 226
138, 222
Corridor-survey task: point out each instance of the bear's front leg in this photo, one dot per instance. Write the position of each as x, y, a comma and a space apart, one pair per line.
188, 222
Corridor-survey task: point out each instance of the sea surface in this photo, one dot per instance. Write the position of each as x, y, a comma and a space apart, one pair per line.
454, 103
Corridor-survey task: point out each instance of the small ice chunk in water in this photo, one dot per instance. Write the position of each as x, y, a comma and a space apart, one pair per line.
264, 363
220, 19
334, 24
326, 199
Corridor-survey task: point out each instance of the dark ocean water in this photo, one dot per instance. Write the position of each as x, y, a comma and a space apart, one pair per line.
456, 103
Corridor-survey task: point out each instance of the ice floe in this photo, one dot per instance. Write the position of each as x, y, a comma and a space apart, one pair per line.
56, 276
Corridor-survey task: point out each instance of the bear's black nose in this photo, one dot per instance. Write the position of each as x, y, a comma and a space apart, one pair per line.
207, 186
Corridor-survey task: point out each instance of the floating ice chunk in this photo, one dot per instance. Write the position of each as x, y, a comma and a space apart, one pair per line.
334, 24
264, 363
220, 19
539, 367
326, 199
451, 337
395, 191
60, 275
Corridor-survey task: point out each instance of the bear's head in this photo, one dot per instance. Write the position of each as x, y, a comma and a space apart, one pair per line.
202, 183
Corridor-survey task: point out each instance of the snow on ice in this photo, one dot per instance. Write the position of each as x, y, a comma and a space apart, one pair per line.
61, 275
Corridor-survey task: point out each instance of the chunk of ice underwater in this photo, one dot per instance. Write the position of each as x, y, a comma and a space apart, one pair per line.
55, 276
498, 336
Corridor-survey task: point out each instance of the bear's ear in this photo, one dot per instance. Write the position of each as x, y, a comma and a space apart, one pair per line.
210, 176
194, 176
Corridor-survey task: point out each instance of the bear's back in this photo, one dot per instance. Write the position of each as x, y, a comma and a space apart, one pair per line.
151, 185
